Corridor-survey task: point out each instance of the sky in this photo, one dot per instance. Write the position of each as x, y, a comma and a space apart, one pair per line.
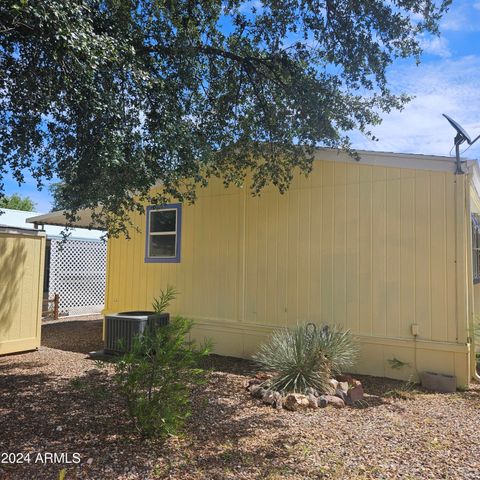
446, 81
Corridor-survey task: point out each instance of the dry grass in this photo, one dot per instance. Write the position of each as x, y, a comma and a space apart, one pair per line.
230, 435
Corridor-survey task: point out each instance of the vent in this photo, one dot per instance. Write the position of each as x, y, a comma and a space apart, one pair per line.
122, 328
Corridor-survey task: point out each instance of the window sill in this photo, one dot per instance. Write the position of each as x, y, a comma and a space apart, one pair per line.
161, 260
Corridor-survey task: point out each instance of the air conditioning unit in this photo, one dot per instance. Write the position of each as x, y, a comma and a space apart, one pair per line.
121, 328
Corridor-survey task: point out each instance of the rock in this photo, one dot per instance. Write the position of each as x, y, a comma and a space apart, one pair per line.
345, 378
252, 382
355, 394
257, 391
343, 386
311, 391
312, 401
270, 397
341, 394
59, 428
90, 461
332, 386
334, 401
296, 401
322, 401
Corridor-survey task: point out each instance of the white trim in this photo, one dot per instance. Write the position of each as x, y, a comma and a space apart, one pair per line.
413, 161
159, 234
27, 232
389, 159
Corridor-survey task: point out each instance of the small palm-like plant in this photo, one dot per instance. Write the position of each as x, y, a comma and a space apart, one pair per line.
305, 356
161, 303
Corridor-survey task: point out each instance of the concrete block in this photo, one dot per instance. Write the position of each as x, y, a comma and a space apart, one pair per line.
438, 382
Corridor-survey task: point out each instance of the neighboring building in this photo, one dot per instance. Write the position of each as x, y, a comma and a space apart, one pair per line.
74, 269
382, 247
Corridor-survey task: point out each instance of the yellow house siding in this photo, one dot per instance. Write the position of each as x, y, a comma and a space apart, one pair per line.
21, 289
371, 248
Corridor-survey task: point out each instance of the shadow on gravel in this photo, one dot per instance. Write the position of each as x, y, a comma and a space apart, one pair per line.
41, 414
80, 336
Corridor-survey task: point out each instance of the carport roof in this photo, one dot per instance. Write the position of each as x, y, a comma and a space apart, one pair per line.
59, 218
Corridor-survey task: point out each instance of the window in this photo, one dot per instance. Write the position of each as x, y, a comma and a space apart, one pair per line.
163, 233
476, 247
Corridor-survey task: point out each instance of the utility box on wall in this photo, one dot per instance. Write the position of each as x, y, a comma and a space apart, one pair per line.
22, 256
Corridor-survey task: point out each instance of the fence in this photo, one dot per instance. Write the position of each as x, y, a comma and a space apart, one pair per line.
78, 275
50, 307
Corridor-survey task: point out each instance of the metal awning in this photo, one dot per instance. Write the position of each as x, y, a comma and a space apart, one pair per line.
59, 219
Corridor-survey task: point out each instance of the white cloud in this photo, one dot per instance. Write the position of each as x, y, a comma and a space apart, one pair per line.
443, 86
247, 7
436, 46
463, 16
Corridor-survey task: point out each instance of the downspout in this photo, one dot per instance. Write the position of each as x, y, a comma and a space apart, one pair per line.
471, 313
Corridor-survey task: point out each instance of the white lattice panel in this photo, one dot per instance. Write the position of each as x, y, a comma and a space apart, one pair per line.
78, 275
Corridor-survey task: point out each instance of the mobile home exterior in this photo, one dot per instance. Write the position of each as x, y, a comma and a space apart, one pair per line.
382, 247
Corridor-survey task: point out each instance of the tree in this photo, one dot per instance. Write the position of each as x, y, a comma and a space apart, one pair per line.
112, 96
56, 190
16, 202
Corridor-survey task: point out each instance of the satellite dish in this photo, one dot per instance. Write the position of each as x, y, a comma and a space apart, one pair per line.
460, 137
461, 131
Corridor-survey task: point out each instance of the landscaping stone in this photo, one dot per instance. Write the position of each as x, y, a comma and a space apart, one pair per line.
252, 382
322, 401
340, 393
272, 398
343, 386
334, 401
257, 391
346, 378
437, 382
355, 394
311, 391
296, 401
333, 385
312, 401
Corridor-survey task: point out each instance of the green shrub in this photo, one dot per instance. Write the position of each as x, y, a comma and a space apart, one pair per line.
338, 346
161, 303
306, 356
156, 377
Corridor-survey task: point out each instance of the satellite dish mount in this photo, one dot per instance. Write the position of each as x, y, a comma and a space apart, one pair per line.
461, 137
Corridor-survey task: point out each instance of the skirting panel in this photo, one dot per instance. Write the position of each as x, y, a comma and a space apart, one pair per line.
382, 357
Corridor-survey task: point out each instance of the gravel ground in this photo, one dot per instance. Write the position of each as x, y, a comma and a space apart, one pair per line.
57, 400
74, 334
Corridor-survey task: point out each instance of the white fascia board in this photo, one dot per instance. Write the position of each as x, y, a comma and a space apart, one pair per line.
389, 159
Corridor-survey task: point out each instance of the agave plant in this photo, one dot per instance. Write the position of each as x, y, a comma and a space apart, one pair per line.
305, 356
338, 346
